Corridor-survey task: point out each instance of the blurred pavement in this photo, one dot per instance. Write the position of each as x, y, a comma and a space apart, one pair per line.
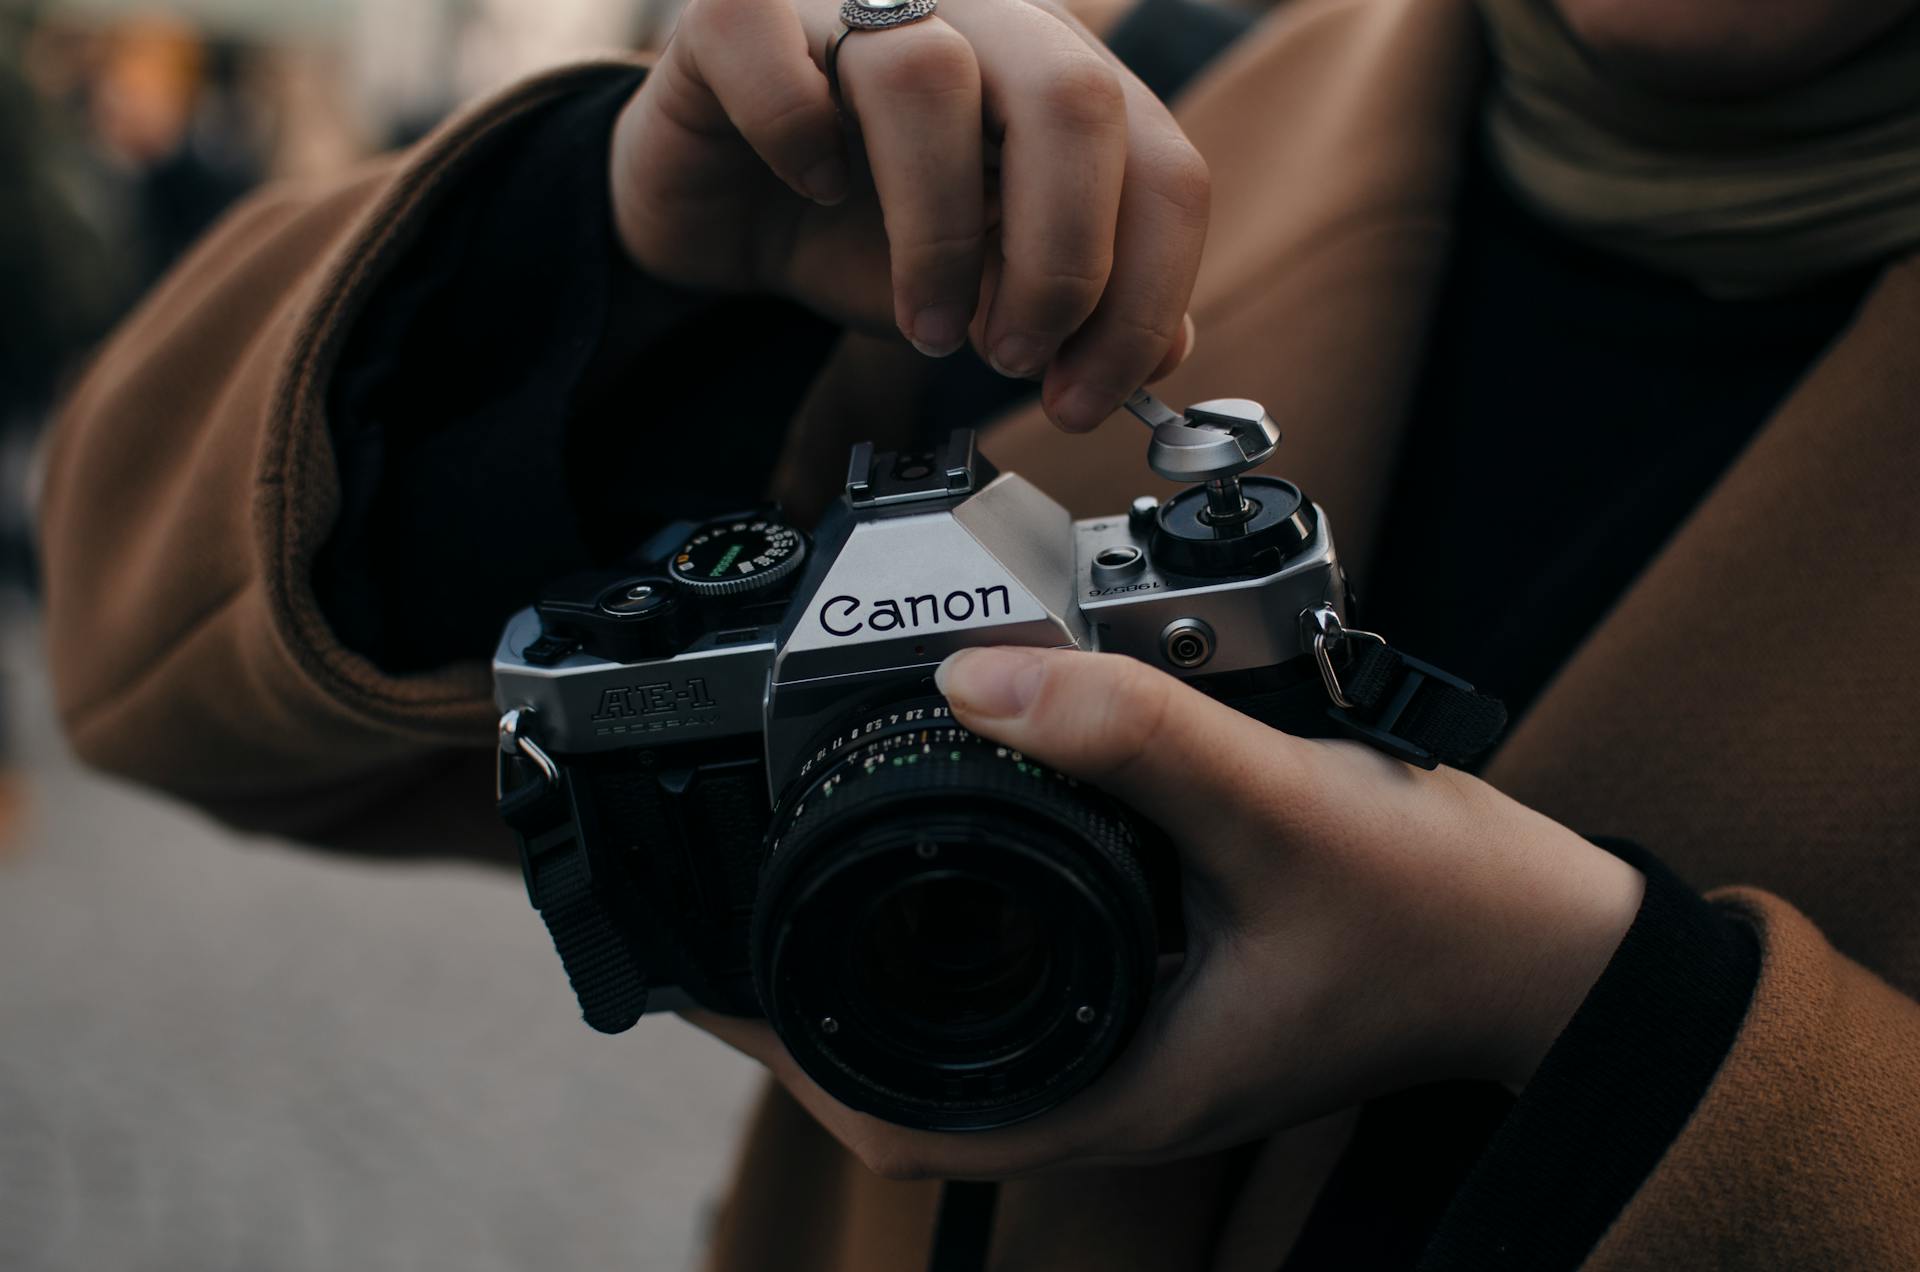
220, 1054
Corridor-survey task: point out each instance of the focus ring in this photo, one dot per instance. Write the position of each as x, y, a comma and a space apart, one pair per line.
1081, 809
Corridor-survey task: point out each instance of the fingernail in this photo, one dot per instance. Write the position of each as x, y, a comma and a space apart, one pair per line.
939, 329
826, 181
1082, 408
998, 683
1020, 356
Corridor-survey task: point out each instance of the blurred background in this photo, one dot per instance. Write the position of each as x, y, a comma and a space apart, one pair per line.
127, 126
225, 1053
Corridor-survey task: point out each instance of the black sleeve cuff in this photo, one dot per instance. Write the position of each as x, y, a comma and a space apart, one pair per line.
518, 402
1615, 1090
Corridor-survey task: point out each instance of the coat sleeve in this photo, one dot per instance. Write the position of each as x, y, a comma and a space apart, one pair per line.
189, 484
1805, 1150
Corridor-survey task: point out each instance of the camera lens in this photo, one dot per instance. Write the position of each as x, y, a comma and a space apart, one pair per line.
948, 935
951, 958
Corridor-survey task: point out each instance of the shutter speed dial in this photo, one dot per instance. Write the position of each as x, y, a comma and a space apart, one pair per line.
726, 558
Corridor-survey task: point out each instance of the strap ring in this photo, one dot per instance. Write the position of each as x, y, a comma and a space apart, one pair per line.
515, 742
1327, 633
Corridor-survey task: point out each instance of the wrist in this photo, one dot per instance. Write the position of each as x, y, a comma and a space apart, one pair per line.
1580, 901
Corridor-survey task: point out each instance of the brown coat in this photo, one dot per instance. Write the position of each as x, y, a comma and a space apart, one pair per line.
1750, 709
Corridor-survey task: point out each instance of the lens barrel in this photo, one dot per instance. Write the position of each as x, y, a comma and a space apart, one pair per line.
948, 935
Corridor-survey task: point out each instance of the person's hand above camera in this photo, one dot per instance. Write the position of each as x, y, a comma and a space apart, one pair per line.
1007, 181
1354, 925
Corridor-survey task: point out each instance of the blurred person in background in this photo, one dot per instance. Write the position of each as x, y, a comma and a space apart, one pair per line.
122, 146
164, 105
63, 283
44, 248
1594, 322
130, 140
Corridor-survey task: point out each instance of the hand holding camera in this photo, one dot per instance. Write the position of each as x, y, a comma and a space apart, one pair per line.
1353, 925
989, 172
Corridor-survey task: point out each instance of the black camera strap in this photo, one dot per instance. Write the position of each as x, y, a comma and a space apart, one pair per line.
1410, 709
963, 1231
560, 883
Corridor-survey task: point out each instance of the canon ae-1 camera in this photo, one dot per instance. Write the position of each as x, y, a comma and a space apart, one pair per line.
735, 785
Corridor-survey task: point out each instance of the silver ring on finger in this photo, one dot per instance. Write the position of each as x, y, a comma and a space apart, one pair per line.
870, 15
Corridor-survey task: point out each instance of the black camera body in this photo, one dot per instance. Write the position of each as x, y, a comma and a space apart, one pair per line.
736, 786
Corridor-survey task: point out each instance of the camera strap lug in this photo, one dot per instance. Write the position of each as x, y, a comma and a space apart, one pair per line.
1410, 709
515, 742
558, 871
